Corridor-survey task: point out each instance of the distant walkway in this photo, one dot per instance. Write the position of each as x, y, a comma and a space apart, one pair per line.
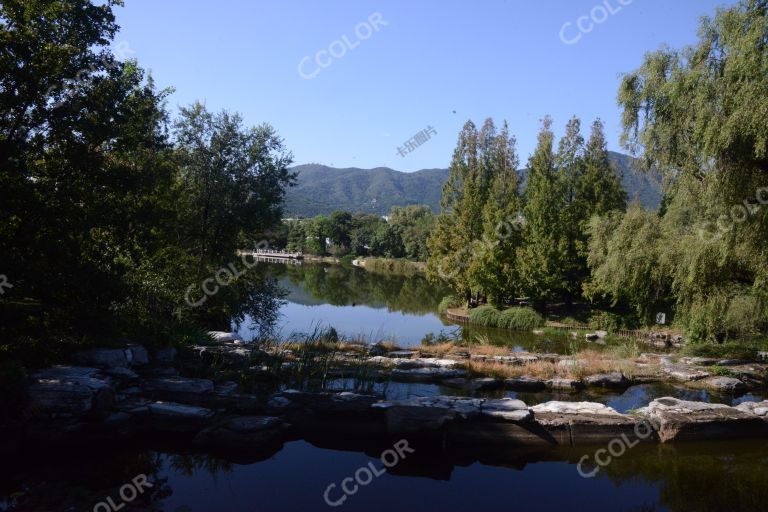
268, 253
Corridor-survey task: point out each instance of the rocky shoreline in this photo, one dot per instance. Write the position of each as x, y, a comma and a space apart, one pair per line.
128, 392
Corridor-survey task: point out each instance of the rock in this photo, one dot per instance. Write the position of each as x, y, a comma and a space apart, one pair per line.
425, 374
403, 354
679, 420
132, 355
136, 355
537, 332
698, 361
762, 356
558, 407
591, 336
425, 414
601, 334
568, 363
102, 357
524, 384
69, 391
431, 362
378, 349
165, 355
179, 388
722, 384
613, 380
324, 402
122, 374
241, 432
225, 388
581, 423
757, 408
516, 360
175, 417
684, 373
561, 384
224, 337
731, 362
507, 409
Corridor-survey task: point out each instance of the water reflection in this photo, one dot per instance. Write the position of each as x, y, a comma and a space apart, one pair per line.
686, 477
379, 306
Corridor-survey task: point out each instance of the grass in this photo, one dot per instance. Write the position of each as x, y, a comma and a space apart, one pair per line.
520, 319
731, 350
486, 316
591, 362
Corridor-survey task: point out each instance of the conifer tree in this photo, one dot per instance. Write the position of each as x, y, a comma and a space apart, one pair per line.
540, 258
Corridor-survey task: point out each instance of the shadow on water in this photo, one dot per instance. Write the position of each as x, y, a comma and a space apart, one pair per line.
686, 477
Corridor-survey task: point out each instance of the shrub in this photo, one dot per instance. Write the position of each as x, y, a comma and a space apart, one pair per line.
451, 301
520, 319
607, 321
487, 316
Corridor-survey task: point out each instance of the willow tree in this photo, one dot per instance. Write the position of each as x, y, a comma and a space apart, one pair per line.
698, 114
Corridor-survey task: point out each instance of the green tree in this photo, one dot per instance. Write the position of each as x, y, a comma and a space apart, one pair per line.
493, 270
540, 258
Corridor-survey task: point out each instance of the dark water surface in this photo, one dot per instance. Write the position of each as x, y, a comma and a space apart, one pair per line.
690, 477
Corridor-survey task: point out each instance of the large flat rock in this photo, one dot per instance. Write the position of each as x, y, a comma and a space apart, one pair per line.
584, 423
68, 391
425, 374
680, 420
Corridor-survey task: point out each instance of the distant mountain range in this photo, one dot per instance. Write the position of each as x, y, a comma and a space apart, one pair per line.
323, 190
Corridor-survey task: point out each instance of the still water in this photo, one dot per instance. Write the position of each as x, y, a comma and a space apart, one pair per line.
294, 477
724, 476
377, 306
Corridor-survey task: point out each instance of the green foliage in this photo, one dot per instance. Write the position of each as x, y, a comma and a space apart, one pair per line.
448, 302
746, 350
611, 322
722, 371
107, 219
520, 319
486, 316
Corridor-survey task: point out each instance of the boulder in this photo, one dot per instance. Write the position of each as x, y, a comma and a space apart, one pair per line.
583, 423
680, 420
403, 354
524, 384
136, 355
68, 391
425, 374
178, 389
426, 414
165, 355
591, 336
612, 380
102, 357
224, 337
323, 402
175, 417
757, 408
561, 384
241, 432
722, 384
506, 408
684, 373
480, 384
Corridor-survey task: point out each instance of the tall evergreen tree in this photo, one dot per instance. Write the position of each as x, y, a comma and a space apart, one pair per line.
493, 271
600, 188
570, 171
459, 222
540, 258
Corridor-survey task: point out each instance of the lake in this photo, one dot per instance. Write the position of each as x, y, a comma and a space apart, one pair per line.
378, 306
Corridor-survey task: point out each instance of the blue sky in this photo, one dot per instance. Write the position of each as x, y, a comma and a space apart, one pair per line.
434, 63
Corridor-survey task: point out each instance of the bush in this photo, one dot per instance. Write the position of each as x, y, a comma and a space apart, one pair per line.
607, 321
731, 350
520, 319
487, 316
451, 301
